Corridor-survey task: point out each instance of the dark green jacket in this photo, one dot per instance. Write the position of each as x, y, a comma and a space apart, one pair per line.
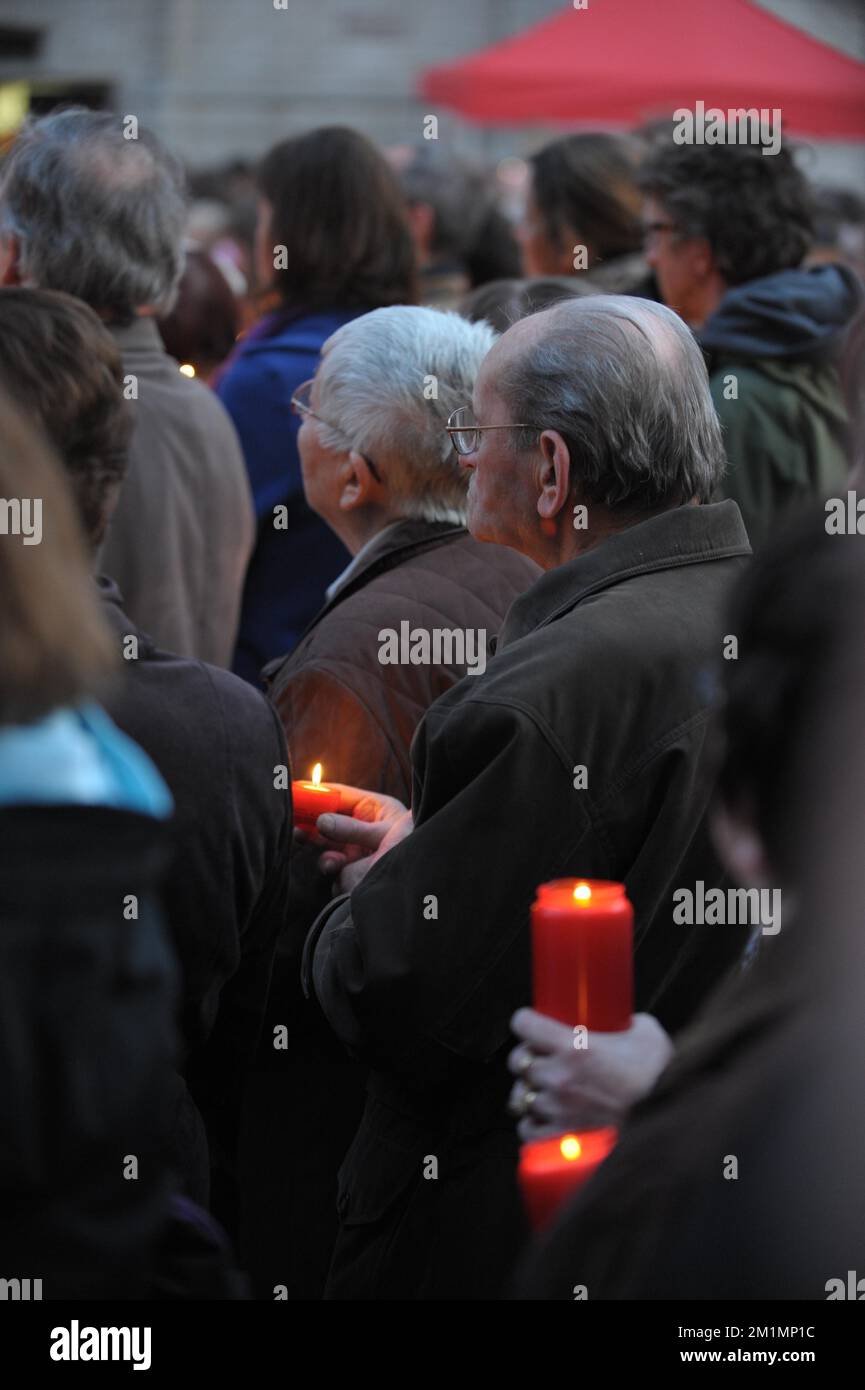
784, 436
772, 347
600, 663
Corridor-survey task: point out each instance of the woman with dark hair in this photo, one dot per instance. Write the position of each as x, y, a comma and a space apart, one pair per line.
582, 215
332, 242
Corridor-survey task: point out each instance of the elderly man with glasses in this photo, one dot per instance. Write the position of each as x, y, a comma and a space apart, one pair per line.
379, 468
583, 750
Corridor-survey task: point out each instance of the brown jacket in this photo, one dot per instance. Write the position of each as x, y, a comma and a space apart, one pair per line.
338, 704
180, 539
341, 707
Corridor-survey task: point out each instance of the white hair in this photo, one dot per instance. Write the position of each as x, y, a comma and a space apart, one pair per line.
388, 381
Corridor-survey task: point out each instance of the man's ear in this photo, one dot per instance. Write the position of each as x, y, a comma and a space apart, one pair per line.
357, 486
553, 475
10, 260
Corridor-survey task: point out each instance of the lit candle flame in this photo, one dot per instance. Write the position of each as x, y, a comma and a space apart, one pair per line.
316, 775
187, 369
571, 1147
582, 892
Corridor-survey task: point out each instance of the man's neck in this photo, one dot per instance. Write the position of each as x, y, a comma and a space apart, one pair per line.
601, 524
706, 302
356, 532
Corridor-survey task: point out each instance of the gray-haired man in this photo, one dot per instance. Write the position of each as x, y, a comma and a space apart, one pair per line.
408, 618
86, 209
582, 750
379, 468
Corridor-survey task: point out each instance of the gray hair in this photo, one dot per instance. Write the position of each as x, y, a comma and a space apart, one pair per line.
624, 382
389, 380
97, 214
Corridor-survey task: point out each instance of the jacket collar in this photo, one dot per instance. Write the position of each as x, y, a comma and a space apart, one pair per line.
682, 536
141, 335
374, 546
392, 546
389, 549
118, 621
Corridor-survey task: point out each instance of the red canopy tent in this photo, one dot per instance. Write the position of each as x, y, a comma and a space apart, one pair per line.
619, 62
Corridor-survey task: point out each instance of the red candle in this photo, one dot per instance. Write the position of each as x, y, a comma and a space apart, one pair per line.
582, 953
312, 799
551, 1170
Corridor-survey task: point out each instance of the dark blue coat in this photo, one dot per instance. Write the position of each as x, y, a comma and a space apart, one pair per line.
290, 568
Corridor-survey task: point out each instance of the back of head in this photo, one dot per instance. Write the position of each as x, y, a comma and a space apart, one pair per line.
389, 381
55, 648
585, 184
625, 384
469, 231
339, 221
754, 209
456, 196
202, 326
63, 368
502, 303
95, 214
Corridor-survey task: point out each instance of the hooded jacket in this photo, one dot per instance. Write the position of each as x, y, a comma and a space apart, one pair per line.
772, 347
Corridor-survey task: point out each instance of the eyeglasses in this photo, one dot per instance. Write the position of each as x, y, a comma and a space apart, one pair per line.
300, 406
465, 432
651, 230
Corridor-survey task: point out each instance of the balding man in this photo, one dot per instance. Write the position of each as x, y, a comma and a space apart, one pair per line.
91, 205
582, 750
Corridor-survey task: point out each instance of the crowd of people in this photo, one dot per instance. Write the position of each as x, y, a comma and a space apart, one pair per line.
595, 446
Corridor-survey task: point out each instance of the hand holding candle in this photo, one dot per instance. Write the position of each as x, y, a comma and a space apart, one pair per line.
361, 825
582, 957
582, 1087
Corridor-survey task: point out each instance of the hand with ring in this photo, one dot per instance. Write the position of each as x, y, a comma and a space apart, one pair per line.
562, 1086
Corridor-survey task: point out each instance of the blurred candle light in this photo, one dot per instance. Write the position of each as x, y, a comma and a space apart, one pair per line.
187, 369
551, 1170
